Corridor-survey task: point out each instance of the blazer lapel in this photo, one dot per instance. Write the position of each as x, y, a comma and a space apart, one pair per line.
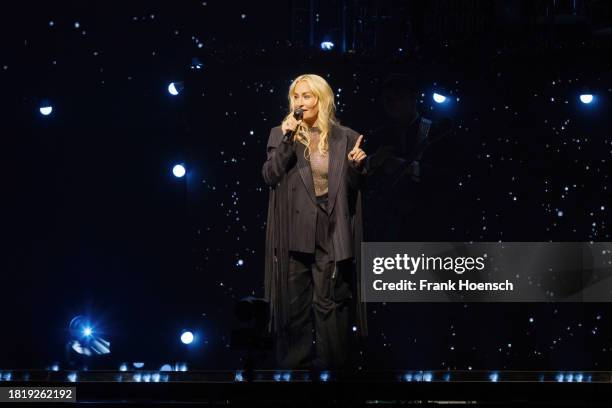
305, 171
337, 148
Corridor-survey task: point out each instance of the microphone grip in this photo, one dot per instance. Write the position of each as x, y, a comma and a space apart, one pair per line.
298, 114
288, 137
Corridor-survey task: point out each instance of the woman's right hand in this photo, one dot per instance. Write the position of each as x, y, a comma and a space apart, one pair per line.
290, 124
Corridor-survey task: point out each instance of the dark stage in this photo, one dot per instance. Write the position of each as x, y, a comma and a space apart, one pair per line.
157, 192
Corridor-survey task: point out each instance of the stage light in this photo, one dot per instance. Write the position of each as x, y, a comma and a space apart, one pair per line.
327, 45
438, 98
123, 367
238, 377
586, 98
72, 377
493, 377
196, 63
83, 341
46, 110
324, 376
187, 337
174, 88
138, 364
178, 170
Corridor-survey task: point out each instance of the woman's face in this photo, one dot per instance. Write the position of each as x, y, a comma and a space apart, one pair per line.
304, 98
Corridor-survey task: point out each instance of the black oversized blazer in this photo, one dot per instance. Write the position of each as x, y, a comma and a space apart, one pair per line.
292, 213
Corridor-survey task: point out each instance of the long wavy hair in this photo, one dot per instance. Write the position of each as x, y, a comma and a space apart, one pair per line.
326, 116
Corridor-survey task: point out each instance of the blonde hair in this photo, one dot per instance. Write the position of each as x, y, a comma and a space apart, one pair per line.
326, 111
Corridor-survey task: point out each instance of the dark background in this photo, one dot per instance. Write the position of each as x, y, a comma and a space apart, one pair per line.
94, 222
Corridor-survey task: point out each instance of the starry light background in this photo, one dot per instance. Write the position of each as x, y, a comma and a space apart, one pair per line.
96, 223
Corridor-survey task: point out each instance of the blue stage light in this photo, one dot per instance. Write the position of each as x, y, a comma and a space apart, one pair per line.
438, 98
196, 63
586, 98
83, 340
324, 376
493, 377
178, 170
46, 110
327, 45
187, 337
174, 88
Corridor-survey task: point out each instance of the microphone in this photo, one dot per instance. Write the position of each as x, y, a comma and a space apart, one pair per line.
298, 114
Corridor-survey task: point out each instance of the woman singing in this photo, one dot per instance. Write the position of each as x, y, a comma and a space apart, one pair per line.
315, 169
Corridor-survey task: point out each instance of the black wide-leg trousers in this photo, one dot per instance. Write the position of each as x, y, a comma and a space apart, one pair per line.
320, 295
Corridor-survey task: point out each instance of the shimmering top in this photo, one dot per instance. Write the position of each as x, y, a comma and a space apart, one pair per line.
319, 164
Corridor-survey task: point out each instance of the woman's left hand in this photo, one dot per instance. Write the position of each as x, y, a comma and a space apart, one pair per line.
357, 156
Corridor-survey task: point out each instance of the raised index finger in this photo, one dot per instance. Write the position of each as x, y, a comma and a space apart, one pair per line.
358, 143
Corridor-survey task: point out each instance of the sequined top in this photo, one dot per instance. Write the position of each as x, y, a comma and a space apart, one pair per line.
319, 164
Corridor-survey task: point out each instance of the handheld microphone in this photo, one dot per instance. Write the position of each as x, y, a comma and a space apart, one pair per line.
298, 114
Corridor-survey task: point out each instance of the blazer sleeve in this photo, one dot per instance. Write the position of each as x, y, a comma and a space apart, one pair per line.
279, 154
356, 176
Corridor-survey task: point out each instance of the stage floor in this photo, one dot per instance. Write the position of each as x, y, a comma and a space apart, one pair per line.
298, 388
